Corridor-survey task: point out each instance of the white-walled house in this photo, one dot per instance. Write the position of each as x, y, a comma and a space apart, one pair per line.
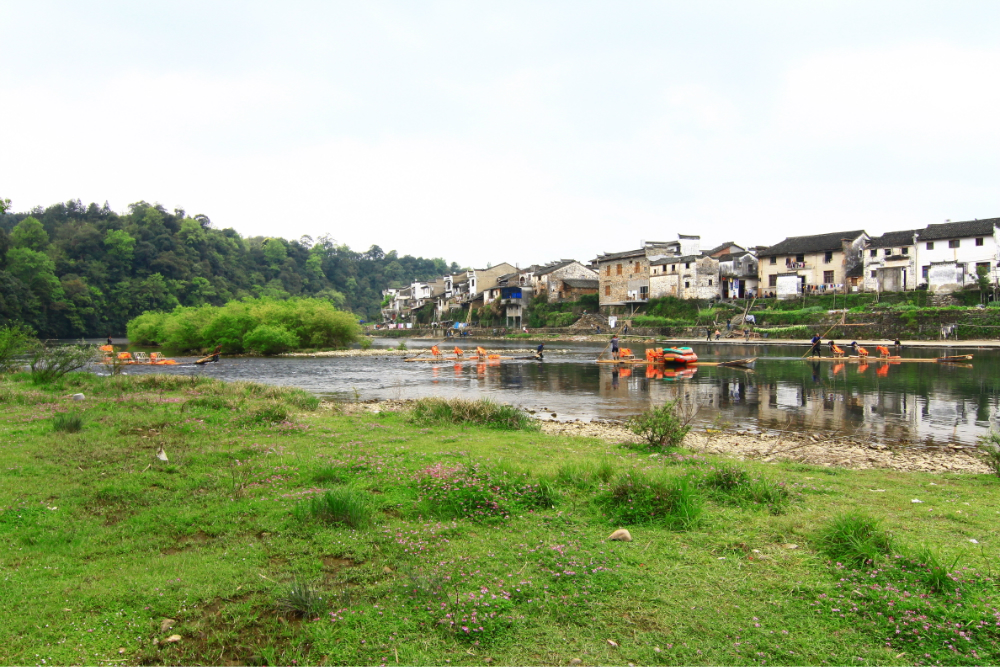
890, 262
950, 253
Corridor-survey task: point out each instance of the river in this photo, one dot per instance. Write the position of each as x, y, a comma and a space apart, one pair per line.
914, 404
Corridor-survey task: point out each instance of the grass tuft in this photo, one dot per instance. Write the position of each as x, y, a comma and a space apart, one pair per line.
67, 422
302, 598
585, 474
635, 498
271, 412
854, 538
733, 485
343, 505
436, 411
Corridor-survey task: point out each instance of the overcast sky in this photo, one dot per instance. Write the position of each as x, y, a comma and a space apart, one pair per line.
507, 131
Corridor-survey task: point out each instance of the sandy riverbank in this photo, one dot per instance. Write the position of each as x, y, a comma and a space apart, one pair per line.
823, 450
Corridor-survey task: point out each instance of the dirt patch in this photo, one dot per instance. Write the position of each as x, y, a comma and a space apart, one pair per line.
333, 563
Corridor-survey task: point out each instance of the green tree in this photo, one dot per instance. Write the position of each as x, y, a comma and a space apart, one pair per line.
30, 234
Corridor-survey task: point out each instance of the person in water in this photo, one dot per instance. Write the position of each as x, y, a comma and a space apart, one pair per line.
109, 340
538, 350
815, 342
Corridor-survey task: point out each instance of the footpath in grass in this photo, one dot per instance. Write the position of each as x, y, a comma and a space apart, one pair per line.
169, 520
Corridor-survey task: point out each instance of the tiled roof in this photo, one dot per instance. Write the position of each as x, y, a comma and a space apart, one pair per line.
817, 243
721, 247
549, 268
610, 256
894, 239
955, 230
581, 283
677, 259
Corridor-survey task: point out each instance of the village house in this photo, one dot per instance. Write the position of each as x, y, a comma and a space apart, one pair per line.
818, 263
685, 277
550, 278
572, 289
738, 274
624, 277
950, 254
889, 262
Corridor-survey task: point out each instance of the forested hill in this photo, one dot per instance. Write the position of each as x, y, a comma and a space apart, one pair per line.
72, 270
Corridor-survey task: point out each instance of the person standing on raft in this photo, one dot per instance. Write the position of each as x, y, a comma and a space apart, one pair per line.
815, 342
615, 347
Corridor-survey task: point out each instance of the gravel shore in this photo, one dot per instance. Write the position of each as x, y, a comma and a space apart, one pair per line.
812, 449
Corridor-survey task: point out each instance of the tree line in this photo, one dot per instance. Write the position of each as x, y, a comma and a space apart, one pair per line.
72, 270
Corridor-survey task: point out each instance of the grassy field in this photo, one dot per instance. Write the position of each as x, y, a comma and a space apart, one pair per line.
277, 532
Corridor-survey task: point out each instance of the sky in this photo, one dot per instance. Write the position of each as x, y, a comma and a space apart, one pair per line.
484, 132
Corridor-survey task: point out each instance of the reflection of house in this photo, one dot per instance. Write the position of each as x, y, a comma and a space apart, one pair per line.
624, 277
950, 254
684, 277
818, 263
890, 262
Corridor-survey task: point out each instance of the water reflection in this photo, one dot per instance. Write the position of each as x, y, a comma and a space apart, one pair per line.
924, 403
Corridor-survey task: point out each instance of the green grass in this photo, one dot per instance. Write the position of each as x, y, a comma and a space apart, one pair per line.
483, 412
480, 543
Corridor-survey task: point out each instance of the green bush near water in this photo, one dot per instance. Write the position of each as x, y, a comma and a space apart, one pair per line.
265, 326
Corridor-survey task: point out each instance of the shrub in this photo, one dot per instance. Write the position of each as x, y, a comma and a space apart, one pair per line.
989, 448
15, 339
67, 422
854, 538
49, 363
635, 498
484, 412
270, 339
343, 505
661, 427
302, 598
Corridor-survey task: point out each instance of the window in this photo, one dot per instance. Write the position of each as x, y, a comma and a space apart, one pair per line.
674, 267
979, 241
873, 252
772, 279
608, 270
986, 266
903, 251
710, 282
872, 274
828, 277
637, 269
828, 257
772, 260
930, 246
800, 258
608, 290
688, 265
954, 243
644, 291
888, 252
618, 269
687, 284
924, 272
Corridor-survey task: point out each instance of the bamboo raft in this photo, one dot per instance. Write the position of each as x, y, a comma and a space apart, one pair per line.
459, 360
743, 363
956, 359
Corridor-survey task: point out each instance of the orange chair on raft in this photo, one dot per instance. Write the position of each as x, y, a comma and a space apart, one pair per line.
458, 352
480, 352
862, 352
435, 352
838, 352
626, 353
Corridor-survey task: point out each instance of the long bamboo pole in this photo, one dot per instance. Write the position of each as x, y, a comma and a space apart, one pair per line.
841, 323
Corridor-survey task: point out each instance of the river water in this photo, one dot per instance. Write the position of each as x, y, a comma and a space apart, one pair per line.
917, 404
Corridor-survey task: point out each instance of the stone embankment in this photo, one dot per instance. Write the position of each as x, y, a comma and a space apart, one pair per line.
824, 450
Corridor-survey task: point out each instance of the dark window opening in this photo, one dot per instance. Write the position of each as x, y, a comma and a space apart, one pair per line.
954, 243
